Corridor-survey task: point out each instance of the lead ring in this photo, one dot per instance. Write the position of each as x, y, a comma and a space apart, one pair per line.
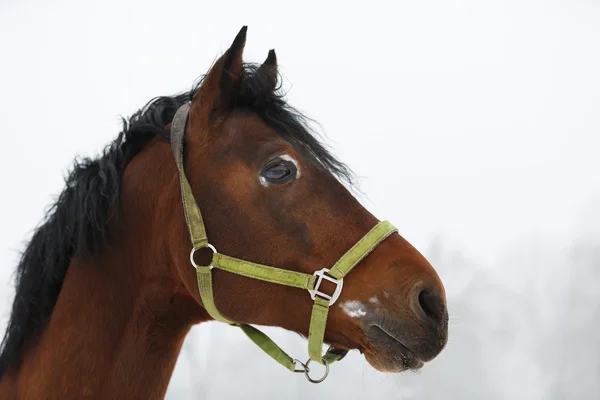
307, 370
209, 266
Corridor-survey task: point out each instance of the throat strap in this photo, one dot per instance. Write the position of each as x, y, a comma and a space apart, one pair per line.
294, 279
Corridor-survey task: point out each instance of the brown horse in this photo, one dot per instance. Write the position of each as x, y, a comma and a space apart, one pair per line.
105, 291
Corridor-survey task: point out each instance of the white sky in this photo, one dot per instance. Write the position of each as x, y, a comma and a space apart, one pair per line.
475, 121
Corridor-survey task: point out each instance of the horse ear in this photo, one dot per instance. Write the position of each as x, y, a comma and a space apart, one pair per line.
218, 89
268, 71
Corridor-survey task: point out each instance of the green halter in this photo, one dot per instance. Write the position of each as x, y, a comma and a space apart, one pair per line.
270, 274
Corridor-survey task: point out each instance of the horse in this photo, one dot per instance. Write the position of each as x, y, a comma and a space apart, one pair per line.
109, 285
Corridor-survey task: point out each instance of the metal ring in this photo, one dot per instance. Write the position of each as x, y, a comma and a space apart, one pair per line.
307, 370
210, 246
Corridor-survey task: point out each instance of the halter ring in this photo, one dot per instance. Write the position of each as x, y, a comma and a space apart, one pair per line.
307, 370
209, 266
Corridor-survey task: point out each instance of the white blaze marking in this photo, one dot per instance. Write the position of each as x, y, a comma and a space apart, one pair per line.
374, 300
353, 309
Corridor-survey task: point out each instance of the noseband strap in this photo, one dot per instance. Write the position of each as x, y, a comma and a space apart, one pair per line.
322, 301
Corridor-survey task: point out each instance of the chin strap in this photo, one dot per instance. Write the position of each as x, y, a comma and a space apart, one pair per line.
322, 301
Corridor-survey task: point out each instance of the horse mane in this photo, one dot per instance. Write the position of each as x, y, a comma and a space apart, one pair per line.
78, 221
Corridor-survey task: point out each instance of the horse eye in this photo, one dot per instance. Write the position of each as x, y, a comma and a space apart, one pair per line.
279, 171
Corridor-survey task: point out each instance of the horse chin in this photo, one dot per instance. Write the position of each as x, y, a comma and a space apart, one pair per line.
393, 362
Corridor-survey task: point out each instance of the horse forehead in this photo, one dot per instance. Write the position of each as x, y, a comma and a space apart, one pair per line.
247, 126
246, 137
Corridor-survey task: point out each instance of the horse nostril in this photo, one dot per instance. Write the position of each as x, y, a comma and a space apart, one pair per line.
432, 305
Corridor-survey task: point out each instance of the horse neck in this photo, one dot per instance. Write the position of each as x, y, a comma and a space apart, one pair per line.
106, 336
118, 324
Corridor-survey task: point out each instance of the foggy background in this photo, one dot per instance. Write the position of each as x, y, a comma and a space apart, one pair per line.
473, 126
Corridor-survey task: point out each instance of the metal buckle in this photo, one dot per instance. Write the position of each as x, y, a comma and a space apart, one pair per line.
209, 266
303, 367
338, 288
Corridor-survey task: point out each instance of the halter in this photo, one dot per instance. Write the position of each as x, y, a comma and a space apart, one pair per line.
311, 283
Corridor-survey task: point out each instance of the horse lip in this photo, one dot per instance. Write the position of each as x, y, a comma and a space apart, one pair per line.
409, 359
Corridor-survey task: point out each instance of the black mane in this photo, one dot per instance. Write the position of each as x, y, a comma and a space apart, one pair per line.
77, 223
